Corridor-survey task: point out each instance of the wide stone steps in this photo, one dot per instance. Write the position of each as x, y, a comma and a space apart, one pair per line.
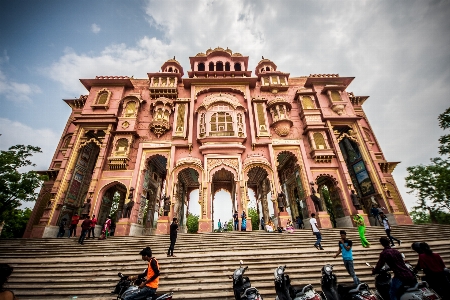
62, 269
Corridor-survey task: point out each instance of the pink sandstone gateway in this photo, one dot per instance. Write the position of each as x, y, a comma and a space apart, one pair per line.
137, 148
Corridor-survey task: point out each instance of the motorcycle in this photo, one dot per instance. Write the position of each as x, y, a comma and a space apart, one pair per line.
285, 291
242, 287
333, 291
126, 287
420, 290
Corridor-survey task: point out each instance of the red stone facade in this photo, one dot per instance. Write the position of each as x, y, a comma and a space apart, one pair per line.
220, 128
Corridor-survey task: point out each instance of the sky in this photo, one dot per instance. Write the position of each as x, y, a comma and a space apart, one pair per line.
398, 52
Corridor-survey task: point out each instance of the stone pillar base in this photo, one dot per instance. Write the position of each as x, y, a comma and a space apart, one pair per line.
282, 221
344, 222
204, 225
163, 225
323, 220
249, 224
135, 229
402, 219
122, 228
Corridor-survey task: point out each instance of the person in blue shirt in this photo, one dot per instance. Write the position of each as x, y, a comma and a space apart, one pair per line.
345, 247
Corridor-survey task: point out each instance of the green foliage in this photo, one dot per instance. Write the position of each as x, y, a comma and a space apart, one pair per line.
16, 223
431, 183
192, 223
253, 213
14, 185
230, 225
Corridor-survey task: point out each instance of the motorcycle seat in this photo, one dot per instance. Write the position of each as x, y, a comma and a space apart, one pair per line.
346, 289
299, 289
419, 285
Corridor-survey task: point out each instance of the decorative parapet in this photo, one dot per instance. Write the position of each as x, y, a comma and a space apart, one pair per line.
387, 167
118, 163
357, 100
324, 75
322, 156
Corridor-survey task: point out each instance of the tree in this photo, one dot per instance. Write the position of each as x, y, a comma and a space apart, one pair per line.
192, 223
16, 186
431, 183
253, 213
16, 223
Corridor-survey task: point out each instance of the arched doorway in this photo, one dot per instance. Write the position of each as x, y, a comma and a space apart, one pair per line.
258, 181
153, 188
291, 184
223, 193
329, 194
188, 181
112, 202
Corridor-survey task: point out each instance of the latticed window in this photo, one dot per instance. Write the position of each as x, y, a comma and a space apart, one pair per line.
221, 124
335, 96
102, 98
319, 141
121, 147
307, 102
130, 109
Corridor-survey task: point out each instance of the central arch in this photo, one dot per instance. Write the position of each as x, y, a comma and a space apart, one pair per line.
222, 180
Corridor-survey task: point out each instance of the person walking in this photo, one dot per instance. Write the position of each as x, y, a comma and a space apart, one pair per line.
219, 226
393, 258
73, 225
359, 221
345, 247
106, 228
173, 237
244, 221
236, 221
387, 228
112, 228
85, 227
92, 229
316, 231
300, 223
62, 228
149, 286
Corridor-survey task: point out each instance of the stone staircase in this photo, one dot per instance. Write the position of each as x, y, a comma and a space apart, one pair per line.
63, 269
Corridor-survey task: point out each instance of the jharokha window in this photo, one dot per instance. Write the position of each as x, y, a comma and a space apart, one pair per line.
221, 124
102, 98
130, 109
121, 147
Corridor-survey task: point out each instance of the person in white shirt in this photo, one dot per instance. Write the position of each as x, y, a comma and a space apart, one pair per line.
387, 228
316, 231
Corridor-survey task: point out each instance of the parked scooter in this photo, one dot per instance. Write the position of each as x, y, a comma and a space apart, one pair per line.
285, 291
242, 287
419, 291
333, 291
126, 287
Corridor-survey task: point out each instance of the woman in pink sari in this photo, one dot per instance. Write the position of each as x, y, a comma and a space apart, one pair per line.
106, 227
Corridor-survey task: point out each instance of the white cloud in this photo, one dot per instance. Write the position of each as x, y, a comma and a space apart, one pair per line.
95, 28
19, 93
14, 133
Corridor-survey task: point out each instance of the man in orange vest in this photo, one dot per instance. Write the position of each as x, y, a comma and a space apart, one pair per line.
148, 287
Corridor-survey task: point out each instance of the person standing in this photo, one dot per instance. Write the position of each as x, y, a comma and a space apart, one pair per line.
149, 286
86, 209
263, 224
92, 229
173, 237
359, 221
355, 200
393, 258
85, 227
316, 231
73, 225
236, 221
376, 214
244, 221
106, 228
5, 271
300, 223
62, 228
219, 226
387, 228
345, 247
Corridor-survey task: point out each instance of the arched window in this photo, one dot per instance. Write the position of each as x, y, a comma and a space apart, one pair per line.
335, 96
211, 66
262, 69
237, 67
121, 147
267, 69
219, 66
221, 124
170, 69
66, 141
130, 109
319, 141
102, 98
227, 66
201, 67
307, 102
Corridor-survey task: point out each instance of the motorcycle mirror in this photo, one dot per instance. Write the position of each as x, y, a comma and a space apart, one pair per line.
368, 264
241, 262
403, 255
